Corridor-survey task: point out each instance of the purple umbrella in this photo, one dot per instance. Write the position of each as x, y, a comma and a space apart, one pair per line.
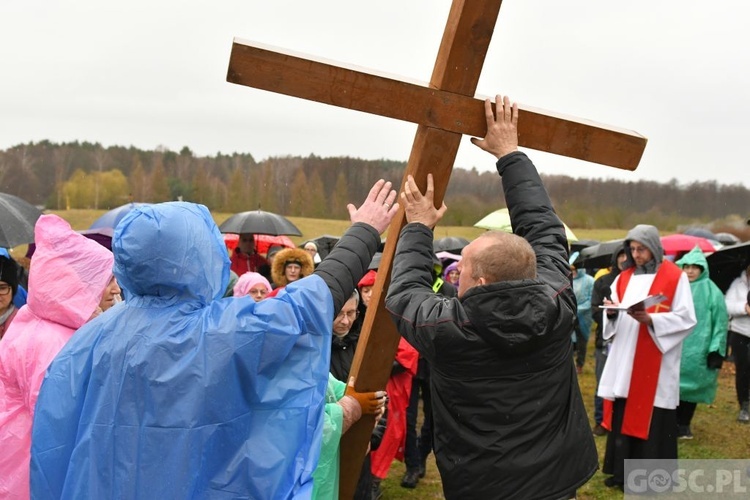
113, 217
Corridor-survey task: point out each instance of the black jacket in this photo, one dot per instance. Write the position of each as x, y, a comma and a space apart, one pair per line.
508, 414
347, 263
342, 354
600, 292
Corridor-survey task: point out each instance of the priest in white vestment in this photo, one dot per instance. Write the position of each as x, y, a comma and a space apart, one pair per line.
641, 378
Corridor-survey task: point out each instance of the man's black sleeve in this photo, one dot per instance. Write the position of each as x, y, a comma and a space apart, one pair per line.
348, 261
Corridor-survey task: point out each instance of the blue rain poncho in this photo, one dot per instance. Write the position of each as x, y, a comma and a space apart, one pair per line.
177, 393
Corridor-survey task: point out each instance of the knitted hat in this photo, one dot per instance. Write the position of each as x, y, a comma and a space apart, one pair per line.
248, 281
368, 279
9, 274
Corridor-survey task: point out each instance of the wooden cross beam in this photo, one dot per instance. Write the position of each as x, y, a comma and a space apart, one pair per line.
444, 110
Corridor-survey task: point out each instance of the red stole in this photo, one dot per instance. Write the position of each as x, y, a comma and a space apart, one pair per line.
644, 378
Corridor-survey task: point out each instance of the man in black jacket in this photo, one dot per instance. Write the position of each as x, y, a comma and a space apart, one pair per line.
508, 414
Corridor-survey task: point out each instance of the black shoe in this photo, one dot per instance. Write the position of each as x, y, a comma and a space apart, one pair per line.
611, 483
683, 432
410, 480
598, 430
377, 493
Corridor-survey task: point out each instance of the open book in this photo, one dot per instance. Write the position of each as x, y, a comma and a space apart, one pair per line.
649, 301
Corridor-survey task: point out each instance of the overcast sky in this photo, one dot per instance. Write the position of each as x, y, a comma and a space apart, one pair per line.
149, 73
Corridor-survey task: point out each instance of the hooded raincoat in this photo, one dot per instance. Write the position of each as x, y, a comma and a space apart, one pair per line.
68, 275
698, 382
326, 475
177, 393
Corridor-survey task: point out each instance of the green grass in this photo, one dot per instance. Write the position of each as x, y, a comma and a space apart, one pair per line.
82, 219
717, 434
715, 427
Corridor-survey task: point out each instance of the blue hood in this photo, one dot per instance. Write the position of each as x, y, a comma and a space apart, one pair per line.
171, 250
177, 393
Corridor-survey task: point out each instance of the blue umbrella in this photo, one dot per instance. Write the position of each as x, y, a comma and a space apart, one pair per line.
113, 217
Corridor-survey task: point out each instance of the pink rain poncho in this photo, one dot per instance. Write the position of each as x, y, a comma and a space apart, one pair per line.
68, 275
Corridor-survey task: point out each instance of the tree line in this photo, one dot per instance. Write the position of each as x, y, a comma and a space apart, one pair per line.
88, 175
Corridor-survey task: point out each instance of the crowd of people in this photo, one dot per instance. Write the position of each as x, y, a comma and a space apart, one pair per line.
182, 370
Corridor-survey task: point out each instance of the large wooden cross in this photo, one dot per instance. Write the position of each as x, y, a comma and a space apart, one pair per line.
445, 109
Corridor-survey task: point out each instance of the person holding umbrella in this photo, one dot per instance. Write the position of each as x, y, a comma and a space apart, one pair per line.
246, 259
739, 337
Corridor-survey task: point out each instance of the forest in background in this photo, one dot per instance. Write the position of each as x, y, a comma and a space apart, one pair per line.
87, 175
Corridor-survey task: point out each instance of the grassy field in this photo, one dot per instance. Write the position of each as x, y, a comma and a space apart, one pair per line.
716, 430
311, 228
717, 434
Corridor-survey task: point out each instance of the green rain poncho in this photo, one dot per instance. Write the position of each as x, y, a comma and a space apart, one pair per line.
326, 475
697, 381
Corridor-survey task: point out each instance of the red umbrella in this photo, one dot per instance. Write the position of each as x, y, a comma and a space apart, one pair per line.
262, 242
265, 241
678, 244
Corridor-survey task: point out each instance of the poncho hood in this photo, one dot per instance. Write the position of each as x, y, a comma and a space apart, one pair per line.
649, 236
162, 253
68, 273
695, 257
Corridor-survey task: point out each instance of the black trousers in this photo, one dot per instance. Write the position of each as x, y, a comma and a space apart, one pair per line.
417, 448
685, 413
741, 354
661, 442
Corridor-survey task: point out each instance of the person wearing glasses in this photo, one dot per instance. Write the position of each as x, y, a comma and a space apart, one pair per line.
641, 379
252, 284
70, 278
8, 287
345, 338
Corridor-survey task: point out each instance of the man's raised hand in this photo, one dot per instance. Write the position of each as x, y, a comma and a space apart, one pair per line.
420, 207
379, 207
502, 128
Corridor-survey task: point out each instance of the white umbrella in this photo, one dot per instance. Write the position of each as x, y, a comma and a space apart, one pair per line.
499, 220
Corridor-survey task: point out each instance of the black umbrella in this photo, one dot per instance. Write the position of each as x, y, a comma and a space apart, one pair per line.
728, 263
701, 233
259, 222
17, 220
727, 238
577, 246
375, 262
598, 256
452, 244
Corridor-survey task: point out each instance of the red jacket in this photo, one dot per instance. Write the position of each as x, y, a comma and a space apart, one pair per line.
399, 390
243, 263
